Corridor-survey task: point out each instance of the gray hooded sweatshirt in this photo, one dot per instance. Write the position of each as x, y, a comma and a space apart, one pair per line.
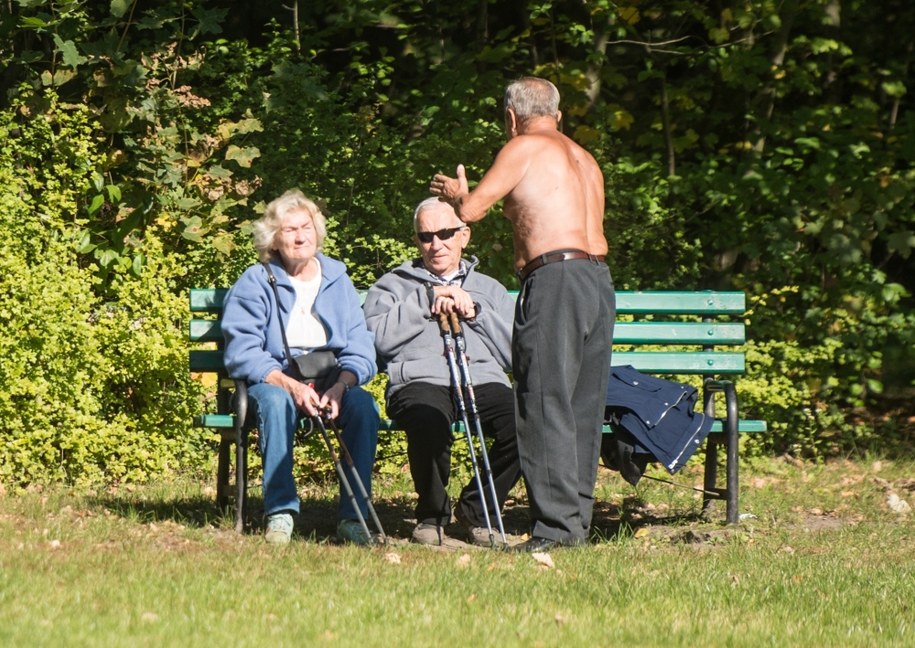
408, 341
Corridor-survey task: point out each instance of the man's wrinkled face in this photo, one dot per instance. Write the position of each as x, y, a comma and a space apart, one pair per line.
441, 238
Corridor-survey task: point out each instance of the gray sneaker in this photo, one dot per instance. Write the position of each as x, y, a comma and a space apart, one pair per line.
428, 534
476, 534
279, 529
480, 536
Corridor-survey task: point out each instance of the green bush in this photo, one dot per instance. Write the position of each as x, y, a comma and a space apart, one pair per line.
90, 390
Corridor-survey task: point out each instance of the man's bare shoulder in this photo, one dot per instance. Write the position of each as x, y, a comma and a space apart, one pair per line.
526, 144
549, 142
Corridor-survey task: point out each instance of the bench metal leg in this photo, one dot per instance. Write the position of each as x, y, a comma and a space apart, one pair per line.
730, 395
241, 454
730, 439
711, 471
222, 472
241, 480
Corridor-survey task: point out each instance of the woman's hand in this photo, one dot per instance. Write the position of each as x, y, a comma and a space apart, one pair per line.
332, 400
304, 396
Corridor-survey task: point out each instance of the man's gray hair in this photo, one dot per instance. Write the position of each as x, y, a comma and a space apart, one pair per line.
532, 97
267, 226
432, 203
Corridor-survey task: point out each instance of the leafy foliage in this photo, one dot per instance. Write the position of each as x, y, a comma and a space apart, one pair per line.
754, 145
91, 390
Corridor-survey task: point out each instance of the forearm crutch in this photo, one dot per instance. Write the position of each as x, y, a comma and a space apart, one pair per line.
451, 355
464, 365
319, 420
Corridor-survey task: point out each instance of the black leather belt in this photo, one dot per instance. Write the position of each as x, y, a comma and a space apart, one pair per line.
555, 257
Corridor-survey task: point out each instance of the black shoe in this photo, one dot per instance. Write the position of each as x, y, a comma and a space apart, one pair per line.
536, 545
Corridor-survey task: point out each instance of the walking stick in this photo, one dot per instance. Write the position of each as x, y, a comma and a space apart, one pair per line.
343, 479
451, 356
461, 342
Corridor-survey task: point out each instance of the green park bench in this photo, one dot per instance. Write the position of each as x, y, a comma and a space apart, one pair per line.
673, 333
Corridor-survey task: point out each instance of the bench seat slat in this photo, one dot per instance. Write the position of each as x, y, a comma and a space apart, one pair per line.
224, 421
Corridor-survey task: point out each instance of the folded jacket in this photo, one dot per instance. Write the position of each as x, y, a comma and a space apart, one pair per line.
659, 414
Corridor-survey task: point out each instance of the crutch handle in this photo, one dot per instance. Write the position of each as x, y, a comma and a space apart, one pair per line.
455, 323
443, 323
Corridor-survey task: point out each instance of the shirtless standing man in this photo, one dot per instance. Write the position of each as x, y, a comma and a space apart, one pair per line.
563, 328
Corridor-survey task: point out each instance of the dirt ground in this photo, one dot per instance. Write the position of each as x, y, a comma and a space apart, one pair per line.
316, 522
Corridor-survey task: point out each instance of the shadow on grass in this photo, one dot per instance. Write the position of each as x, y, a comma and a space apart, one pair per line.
317, 520
192, 511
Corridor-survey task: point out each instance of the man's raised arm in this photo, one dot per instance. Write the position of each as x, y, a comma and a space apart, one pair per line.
503, 176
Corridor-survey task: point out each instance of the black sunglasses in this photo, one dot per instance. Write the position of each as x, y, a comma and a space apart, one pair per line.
442, 234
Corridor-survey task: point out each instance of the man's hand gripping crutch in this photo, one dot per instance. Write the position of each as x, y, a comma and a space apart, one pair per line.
455, 353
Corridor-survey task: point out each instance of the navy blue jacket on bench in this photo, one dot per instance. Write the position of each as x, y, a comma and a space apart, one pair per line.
653, 419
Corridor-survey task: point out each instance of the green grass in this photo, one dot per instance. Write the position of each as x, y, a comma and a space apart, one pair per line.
821, 561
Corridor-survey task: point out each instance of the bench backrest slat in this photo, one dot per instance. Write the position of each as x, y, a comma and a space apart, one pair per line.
202, 330
687, 303
208, 330
209, 300
202, 361
667, 362
678, 333
682, 362
672, 337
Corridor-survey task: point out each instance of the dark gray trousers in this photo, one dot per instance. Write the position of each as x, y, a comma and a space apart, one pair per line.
561, 347
426, 412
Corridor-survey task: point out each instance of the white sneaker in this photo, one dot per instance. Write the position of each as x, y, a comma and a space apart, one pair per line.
279, 529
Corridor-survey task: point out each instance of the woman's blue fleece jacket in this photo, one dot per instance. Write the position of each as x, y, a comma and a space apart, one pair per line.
254, 344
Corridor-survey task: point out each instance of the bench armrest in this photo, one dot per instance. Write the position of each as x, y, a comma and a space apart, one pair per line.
240, 405
712, 386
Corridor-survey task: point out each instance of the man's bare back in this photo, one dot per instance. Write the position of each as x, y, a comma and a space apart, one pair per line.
559, 201
553, 191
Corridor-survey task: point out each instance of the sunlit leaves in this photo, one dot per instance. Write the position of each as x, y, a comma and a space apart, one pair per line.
242, 156
119, 7
68, 52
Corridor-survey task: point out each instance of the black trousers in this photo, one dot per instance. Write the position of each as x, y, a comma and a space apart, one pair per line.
561, 348
426, 412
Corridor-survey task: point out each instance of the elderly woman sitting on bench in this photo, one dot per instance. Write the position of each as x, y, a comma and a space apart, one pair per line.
311, 306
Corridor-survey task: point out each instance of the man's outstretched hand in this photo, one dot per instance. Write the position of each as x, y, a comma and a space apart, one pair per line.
450, 188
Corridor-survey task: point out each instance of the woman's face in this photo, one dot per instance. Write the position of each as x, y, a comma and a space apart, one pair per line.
297, 239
